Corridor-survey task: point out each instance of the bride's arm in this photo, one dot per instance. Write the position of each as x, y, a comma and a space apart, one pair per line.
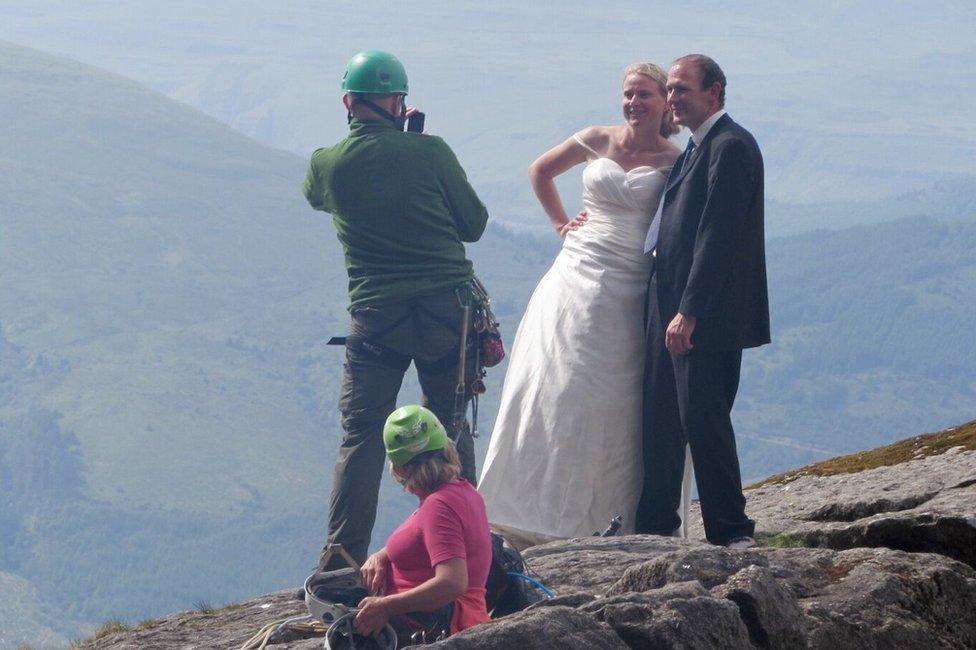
541, 174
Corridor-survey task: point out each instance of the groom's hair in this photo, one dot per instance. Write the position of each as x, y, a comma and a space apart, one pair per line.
710, 73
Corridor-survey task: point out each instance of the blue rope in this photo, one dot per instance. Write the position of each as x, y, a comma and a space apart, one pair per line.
535, 583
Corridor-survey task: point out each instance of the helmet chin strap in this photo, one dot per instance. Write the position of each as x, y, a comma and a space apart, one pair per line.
398, 120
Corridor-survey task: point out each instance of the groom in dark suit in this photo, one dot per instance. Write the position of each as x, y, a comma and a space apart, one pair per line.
707, 301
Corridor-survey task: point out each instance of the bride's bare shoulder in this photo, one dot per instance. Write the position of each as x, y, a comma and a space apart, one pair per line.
595, 137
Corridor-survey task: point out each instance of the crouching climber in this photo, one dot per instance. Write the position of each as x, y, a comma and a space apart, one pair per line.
430, 577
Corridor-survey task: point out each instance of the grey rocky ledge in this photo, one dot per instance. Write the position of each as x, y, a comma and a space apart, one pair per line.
687, 594
651, 592
892, 567
855, 590
923, 505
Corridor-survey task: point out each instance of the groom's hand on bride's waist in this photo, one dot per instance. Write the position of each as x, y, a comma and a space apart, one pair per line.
677, 338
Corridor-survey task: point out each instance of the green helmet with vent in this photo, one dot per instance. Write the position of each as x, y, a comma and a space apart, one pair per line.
374, 71
411, 431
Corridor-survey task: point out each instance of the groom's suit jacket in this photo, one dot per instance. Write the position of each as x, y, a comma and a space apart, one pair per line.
711, 261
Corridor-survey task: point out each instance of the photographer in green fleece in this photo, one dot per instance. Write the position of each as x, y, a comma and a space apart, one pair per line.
402, 206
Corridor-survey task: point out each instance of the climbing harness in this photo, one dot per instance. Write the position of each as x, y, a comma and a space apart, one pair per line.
488, 349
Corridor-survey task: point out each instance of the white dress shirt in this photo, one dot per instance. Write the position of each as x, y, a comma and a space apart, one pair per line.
699, 134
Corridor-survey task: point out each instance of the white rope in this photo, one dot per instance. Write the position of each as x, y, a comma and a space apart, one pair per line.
304, 625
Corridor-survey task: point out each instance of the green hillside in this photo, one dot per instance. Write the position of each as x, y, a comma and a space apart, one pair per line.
139, 239
949, 199
873, 340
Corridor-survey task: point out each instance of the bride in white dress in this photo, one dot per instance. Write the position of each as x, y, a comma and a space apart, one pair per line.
565, 454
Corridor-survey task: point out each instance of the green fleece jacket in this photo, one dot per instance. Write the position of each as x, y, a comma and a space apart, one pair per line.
402, 206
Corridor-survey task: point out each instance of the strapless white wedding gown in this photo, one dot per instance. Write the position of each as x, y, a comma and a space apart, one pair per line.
566, 452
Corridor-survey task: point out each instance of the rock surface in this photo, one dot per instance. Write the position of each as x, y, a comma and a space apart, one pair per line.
879, 558
683, 594
595, 562
539, 629
672, 617
924, 505
223, 629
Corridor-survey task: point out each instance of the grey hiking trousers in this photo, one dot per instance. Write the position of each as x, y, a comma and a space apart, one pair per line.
382, 342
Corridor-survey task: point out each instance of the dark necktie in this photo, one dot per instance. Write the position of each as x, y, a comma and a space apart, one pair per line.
651, 241
689, 150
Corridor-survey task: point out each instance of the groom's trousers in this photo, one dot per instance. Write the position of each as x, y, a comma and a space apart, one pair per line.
688, 400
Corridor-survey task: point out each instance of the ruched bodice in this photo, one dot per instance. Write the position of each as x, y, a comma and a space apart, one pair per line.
619, 205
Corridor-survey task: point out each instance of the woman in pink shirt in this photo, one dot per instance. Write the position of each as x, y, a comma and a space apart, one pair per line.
438, 560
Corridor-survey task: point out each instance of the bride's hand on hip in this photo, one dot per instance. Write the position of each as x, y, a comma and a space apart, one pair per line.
573, 224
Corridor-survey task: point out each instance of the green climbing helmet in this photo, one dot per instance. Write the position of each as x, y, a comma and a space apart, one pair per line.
374, 71
410, 431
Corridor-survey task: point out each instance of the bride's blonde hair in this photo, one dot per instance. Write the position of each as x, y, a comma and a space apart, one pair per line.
656, 74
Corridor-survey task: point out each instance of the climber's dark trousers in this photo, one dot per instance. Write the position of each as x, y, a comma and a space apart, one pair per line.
425, 331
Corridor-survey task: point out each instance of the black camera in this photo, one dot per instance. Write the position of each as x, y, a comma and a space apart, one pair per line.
415, 123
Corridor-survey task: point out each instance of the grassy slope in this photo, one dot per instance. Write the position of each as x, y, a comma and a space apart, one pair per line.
928, 444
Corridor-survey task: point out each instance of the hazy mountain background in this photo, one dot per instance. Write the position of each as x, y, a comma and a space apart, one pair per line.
167, 420
851, 101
